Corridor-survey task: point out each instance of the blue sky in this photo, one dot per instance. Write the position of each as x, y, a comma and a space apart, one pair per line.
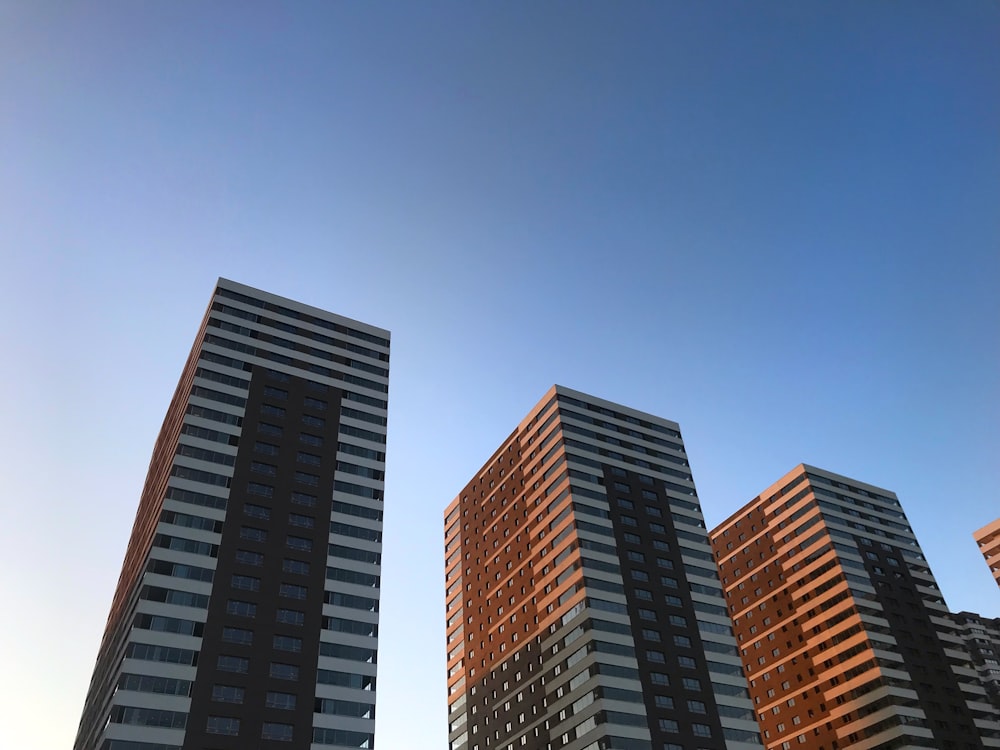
775, 223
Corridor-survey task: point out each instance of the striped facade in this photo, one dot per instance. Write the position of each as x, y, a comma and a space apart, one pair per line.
988, 539
981, 636
246, 614
845, 638
584, 610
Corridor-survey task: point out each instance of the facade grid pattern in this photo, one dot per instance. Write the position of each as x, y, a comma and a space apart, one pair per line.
247, 609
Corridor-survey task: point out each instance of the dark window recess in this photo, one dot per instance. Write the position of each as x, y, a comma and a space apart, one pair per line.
261, 490
292, 591
257, 511
260, 467
249, 558
304, 478
303, 522
253, 534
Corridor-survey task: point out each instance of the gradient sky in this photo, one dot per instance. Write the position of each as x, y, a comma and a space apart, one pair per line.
776, 223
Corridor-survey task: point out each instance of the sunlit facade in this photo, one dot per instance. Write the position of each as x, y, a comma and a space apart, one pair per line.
584, 610
246, 614
844, 635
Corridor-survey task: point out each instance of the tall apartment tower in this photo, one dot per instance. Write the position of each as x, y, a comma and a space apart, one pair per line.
988, 539
246, 613
584, 610
845, 638
981, 636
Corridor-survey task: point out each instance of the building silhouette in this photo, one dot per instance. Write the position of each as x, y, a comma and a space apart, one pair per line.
584, 609
844, 635
246, 614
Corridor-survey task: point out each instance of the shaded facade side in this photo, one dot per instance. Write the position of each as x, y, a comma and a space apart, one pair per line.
247, 609
583, 606
843, 633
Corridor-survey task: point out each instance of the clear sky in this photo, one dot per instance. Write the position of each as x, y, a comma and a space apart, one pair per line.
776, 223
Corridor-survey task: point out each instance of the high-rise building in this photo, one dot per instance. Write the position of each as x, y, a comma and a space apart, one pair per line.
246, 613
981, 636
988, 539
584, 609
845, 638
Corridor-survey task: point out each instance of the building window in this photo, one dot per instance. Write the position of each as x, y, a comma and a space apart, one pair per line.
253, 534
240, 608
697, 707
234, 664
249, 558
303, 522
274, 731
292, 591
295, 566
291, 617
227, 694
241, 636
284, 671
669, 725
268, 449
257, 511
261, 490
299, 543
222, 725
246, 583
287, 643
301, 498
304, 478
259, 467
284, 701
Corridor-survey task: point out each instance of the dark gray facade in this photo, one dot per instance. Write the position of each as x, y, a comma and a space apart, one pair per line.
584, 609
246, 614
